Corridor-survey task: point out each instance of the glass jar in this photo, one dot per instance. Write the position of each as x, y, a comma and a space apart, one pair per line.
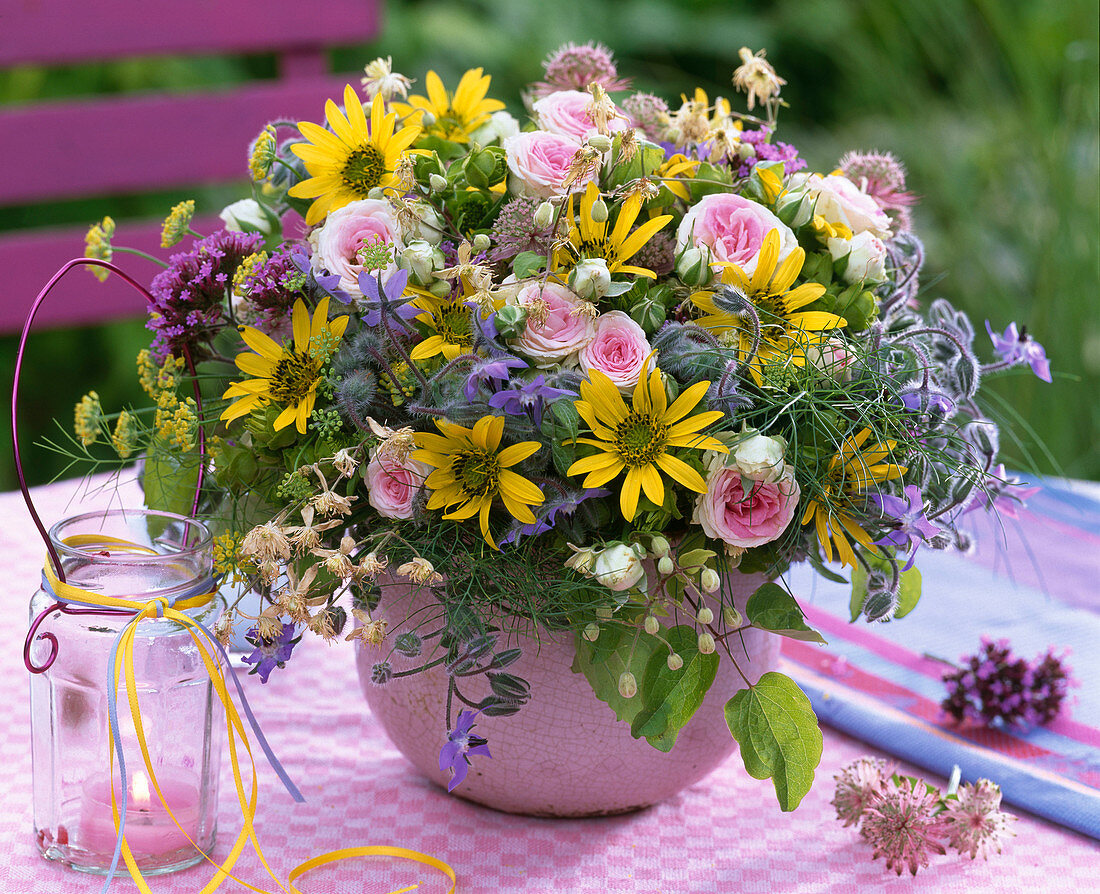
181, 717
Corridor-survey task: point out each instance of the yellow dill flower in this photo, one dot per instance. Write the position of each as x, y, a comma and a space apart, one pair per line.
453, 117
637, 439
471, 472
229, 564
348, 161
147, 372
288, 374
176, 423
87, 418
262, 156
124, 437
851, 470
784, 328
247, 268
590, 239
97, 244
177, 223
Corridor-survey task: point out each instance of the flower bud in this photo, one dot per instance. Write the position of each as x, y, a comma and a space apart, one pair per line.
426, 223
248, 216
592, 632
659, 546
599, 211
652, 625
665, 566
628, 686
437, 182
441, 288
481, 243
619, 567
590, 279
675, 661
599, 142
746, 150
544, 216
706, 643
421, 260
511, 322
732, 617
376, 192
427, 119
709, 581
704, 615
693, 267
604, 613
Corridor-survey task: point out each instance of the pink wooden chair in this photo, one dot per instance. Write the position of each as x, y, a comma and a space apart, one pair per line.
134, 143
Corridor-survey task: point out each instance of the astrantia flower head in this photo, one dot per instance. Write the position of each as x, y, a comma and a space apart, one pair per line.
648, 113
882, 177
976, 825
515, 230
857, 785
575, 66
903, 826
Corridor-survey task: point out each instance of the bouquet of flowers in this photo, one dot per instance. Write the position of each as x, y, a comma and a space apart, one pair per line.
611, 352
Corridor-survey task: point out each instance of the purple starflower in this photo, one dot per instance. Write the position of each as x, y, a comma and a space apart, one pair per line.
907, 515
490, 371
1013, 348
270, 653
388, 297
454, 755
318, 284
528, 398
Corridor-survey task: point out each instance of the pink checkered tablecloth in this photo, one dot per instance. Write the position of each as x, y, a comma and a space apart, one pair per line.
725, 834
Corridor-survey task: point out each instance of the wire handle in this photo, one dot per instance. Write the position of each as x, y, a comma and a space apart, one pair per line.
80, 262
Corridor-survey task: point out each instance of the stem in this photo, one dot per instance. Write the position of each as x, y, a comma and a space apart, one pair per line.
121, 249
423, 667
400, 348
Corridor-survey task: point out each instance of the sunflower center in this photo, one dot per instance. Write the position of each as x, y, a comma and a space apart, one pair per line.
599, 248
453, 324
364, 169
478, 471
640, 439
294, 377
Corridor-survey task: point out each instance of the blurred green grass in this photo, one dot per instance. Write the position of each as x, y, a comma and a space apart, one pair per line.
992, 105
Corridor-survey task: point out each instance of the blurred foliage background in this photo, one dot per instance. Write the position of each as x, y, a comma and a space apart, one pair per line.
992, 105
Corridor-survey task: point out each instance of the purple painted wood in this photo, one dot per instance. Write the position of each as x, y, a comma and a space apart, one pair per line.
61, 32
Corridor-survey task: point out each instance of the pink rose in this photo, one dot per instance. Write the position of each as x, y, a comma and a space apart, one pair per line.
732, 228
565, 113
394, 484
336, 244
725, 512
562, 330
540, 162
619, 350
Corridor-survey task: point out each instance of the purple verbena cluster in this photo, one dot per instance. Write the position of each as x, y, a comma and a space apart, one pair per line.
768, 151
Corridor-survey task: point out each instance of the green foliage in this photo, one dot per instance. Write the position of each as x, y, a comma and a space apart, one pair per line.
773, 608
908, 592
777, 733
616, 651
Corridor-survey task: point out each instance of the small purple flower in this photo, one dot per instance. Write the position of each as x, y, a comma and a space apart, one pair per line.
388, 298
911, 526
528, 398
1013, 348
270, 654
318, 284
490, 371
454, 755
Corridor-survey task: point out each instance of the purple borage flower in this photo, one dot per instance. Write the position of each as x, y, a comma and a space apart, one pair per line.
454, 755
319, 284
270, 654
908, 515
490, 371
1013, 348
386, 298
528, 398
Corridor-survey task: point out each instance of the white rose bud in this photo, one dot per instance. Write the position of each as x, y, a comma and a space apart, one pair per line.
652, 625
758, 456
628, 686
706, 643
599, 142
619, 567
693, 267
421, 259
675, 661
376, 192
599, 211
427, 224
866, 257
499, 126
704, 615
590, 279
247, 216
794, 208
665, 566
544, 216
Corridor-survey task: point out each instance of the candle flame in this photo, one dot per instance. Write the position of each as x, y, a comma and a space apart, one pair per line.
139, 788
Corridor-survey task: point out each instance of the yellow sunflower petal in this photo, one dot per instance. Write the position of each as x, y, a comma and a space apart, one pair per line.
515, 453
652, 485
519, 488
628, 498
679, 470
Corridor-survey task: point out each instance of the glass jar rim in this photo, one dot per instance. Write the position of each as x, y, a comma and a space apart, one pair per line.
199, 545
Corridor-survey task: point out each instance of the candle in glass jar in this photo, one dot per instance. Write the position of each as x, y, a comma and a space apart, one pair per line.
150, 831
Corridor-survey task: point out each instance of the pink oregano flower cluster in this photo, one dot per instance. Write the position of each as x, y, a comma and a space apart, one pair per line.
905, 819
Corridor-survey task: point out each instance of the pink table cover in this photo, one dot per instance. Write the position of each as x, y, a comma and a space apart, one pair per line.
725, 834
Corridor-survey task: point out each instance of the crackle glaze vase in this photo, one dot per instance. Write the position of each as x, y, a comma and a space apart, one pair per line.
564, 753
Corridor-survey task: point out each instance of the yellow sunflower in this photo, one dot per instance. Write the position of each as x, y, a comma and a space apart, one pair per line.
348, 161
590, 239
288, 374
673, 171
851, 470
470, 472
785, 330
638, 438
458, 116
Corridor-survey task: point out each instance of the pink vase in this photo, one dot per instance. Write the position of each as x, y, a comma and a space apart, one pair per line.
564, 753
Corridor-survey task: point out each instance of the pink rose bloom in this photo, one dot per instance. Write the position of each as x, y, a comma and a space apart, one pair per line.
540, 161
336, 243
563, 331
564, 113
839, 200
393, 484
725, 512
732, 228
619, 350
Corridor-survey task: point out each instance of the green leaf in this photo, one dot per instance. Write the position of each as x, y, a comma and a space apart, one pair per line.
528, 263
645, 161
777, 733
671, 698
773, 608
908, 592
168, 480
613, 653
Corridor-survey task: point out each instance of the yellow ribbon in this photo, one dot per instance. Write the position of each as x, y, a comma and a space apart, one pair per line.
159, 607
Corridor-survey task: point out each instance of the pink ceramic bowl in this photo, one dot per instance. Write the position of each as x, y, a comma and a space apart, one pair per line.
564, 753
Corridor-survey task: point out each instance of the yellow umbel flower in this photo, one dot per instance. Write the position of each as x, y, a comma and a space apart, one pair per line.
638, 438
851, 470
784, 328
87, 418
288, 374
589, 238
453, 117
97, 244
124, 437
346, 163
177, 224
470, 472
262, 156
